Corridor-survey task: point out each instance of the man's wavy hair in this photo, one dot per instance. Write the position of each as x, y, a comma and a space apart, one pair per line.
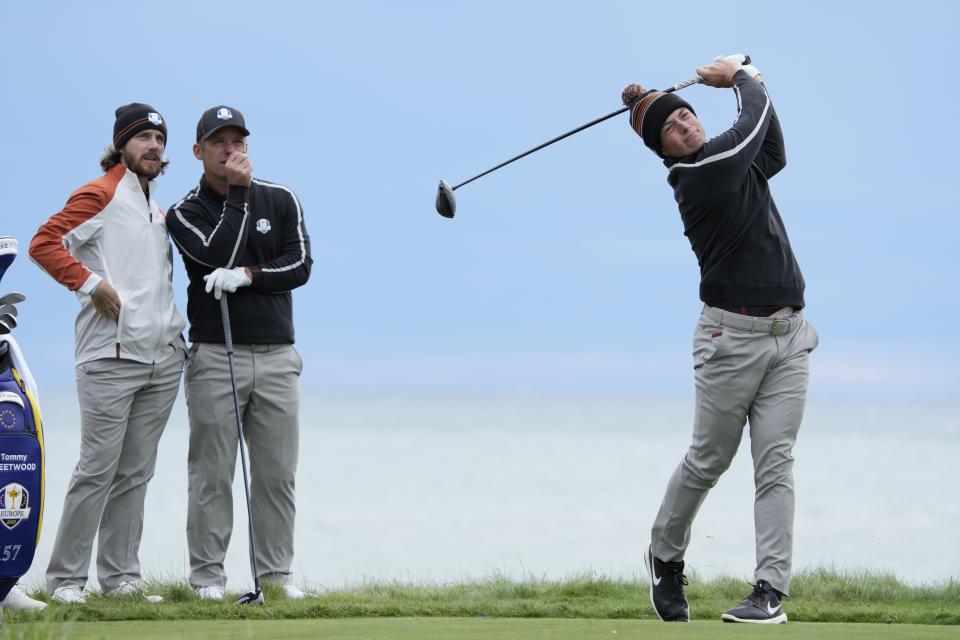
111, 158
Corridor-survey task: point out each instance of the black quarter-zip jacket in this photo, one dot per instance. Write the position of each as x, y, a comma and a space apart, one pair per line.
260, 228
728, 213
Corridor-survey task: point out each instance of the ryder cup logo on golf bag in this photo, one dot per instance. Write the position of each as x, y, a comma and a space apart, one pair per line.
21, 474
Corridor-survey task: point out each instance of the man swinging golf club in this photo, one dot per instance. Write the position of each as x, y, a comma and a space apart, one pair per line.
246, 237
751, 343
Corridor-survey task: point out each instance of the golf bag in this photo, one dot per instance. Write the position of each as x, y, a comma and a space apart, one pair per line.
21, 467
21, 445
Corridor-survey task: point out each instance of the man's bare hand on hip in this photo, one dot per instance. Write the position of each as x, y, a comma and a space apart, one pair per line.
106, 301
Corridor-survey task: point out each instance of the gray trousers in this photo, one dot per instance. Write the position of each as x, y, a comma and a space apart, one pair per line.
268, 379
752, 369
124, 406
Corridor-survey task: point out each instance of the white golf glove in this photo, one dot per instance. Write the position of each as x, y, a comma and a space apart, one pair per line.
739, 57
229, 280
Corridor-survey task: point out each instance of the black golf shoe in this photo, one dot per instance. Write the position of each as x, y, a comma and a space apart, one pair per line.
666, 588
763, 606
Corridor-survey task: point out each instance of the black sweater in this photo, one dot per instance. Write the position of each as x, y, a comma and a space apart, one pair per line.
260, 228
729, 215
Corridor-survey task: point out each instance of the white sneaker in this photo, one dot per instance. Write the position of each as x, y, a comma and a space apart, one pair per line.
71, 594
132, 588
17, 599
210, 592
293, 592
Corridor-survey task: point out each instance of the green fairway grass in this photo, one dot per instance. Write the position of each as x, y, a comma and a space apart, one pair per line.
463, 629
819, 596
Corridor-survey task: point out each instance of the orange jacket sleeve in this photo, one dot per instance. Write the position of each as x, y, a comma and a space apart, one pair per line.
49, 246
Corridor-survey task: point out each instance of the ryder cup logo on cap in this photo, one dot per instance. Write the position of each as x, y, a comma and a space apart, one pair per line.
263, 225
14, 505
155, 118
217, 117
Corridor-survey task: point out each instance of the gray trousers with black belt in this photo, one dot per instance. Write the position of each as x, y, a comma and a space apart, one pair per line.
269, 396
746, 369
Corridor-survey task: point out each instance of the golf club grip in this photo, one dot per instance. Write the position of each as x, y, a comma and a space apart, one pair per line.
696, 79
225, 316
684, 84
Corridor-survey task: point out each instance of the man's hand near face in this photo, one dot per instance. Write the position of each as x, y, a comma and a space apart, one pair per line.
238, 169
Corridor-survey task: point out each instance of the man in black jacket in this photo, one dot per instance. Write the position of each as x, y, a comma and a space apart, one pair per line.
751, 344
247, 237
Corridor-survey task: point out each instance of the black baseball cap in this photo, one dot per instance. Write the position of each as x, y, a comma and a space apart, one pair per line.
218, 117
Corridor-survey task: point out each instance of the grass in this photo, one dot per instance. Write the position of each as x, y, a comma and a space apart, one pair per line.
464, 629
816, 596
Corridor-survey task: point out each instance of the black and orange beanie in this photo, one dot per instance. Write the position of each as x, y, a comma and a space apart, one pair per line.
132, 119
649, 110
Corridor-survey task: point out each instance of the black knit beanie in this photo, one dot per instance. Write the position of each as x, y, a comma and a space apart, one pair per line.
132, 119
648, 114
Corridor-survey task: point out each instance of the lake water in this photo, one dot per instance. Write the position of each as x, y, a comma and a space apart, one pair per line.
450, 487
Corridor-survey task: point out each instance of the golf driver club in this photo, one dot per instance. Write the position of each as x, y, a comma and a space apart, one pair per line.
255, 596
8, 320
447, 204
8, 309
4, 328
13, 298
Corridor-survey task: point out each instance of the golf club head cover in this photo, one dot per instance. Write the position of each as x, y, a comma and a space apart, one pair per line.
8, 252
21, 471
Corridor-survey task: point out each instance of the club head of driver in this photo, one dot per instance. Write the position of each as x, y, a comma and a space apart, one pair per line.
4, 329
251, 597
8, 308
446, 203
14, 297
8, 320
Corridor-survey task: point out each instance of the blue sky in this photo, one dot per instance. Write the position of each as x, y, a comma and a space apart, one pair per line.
566, 271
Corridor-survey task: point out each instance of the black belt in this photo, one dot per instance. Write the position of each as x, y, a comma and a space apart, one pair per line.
758, 311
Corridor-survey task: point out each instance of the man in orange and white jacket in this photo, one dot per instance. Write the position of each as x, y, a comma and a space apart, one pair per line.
109, 244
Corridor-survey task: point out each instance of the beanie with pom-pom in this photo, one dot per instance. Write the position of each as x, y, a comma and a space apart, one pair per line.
649, 110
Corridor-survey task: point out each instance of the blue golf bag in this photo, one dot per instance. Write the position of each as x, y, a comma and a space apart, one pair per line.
21, 445
21, 471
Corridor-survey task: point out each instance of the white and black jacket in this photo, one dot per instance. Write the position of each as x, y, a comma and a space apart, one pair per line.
260, 228
729, 215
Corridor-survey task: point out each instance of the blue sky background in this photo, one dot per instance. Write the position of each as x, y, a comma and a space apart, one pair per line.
565, 272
